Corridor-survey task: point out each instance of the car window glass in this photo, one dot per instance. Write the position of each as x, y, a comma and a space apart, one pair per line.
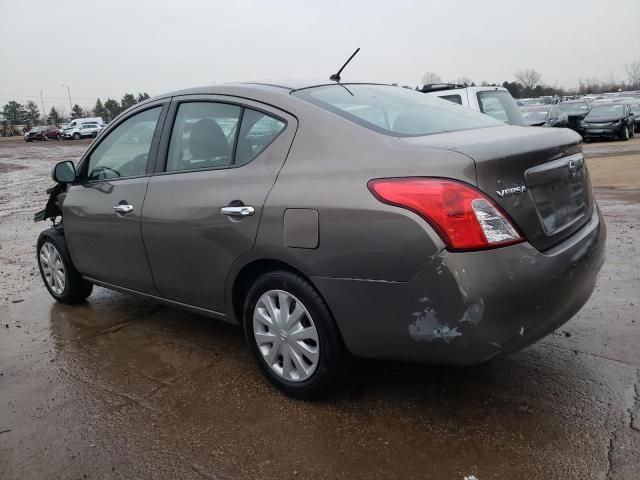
500, 105
452, 98
393, 110
257, 131
125, 150
203, 136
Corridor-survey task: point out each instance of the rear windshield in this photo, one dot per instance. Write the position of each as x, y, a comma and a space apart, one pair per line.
394, 110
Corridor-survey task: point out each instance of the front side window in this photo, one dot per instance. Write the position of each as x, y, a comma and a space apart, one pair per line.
500, 105
125, 150
393, 110
206, 135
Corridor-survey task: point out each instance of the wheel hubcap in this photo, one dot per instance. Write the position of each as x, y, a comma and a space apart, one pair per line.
286, 335
52, 268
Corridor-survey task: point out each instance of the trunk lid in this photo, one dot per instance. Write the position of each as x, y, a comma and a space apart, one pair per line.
537, 175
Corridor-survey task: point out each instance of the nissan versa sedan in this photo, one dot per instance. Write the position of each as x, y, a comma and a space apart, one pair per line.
331, 220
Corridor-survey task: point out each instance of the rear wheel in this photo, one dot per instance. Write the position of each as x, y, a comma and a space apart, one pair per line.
292, 336
60, 277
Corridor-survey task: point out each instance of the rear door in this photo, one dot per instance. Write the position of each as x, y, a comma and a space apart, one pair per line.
221, 156
102, 211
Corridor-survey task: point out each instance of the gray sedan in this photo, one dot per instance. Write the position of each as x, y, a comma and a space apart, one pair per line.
331, 220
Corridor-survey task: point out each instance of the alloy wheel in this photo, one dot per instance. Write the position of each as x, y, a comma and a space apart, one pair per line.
286, 335
52, 268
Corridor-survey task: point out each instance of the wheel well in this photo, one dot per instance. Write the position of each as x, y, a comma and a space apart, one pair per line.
249, 273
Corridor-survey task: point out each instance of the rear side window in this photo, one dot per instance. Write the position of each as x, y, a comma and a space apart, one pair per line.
393, 110
452, 98
501, 106
258, 130
210, 135
203, 136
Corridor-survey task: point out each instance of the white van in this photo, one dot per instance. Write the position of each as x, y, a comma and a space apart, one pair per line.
76, 122
496, 102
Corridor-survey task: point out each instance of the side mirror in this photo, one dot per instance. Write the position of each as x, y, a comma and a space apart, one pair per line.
64, 172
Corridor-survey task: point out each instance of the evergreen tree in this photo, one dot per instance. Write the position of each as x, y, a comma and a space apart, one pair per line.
32, 113
127, 101
14, 112
77, 112
54, 117
99, 110
142, 97
113, 108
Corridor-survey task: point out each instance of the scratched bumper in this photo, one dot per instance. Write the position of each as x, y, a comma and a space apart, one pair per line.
466, 308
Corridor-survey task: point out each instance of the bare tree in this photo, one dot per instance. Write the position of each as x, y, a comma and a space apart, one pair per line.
429, 77
529, 78
633, 74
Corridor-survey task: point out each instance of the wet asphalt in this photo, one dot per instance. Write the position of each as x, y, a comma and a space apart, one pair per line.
121, 387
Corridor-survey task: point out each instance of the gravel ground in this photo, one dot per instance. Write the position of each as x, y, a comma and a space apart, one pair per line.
124, 388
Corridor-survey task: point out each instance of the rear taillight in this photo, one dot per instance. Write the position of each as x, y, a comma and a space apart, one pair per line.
465, 218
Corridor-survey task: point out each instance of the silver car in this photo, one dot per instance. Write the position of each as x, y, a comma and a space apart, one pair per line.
331, 220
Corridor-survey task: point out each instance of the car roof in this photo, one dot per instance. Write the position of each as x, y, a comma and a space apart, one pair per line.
277, 86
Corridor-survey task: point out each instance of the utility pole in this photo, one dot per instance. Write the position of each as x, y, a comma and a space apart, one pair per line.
44, 112
69, 94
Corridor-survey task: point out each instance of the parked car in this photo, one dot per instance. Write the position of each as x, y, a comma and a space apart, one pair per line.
612, 120
496, 102
545, 116
331, 220
77, 122
634, 105
44, 132
82, 131
576, 110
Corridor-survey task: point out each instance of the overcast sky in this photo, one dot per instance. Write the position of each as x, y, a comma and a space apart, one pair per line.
105, 48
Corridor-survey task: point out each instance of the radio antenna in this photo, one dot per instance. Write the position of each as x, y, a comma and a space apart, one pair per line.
336, 76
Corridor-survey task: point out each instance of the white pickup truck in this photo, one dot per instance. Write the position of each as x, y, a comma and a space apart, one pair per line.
494, 101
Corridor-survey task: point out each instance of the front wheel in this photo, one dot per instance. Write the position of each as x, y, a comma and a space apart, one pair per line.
63, 281
293, 336
624, 133
76, 136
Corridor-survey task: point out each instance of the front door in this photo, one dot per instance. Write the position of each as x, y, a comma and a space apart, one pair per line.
203, 210
102, 211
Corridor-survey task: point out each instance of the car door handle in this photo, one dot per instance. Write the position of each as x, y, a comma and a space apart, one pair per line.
123, 209
241, 211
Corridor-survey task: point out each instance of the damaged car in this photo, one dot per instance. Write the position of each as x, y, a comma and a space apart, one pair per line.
331, 220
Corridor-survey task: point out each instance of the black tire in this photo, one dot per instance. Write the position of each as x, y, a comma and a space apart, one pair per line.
77, 136
332, 353
76, 289
624, 133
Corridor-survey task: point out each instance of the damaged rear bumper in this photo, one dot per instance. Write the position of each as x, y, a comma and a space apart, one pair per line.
466, 308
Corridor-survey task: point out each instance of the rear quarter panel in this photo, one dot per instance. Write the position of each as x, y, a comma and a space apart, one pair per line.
327, 170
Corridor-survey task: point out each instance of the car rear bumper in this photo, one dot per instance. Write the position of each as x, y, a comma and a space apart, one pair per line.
466, 308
